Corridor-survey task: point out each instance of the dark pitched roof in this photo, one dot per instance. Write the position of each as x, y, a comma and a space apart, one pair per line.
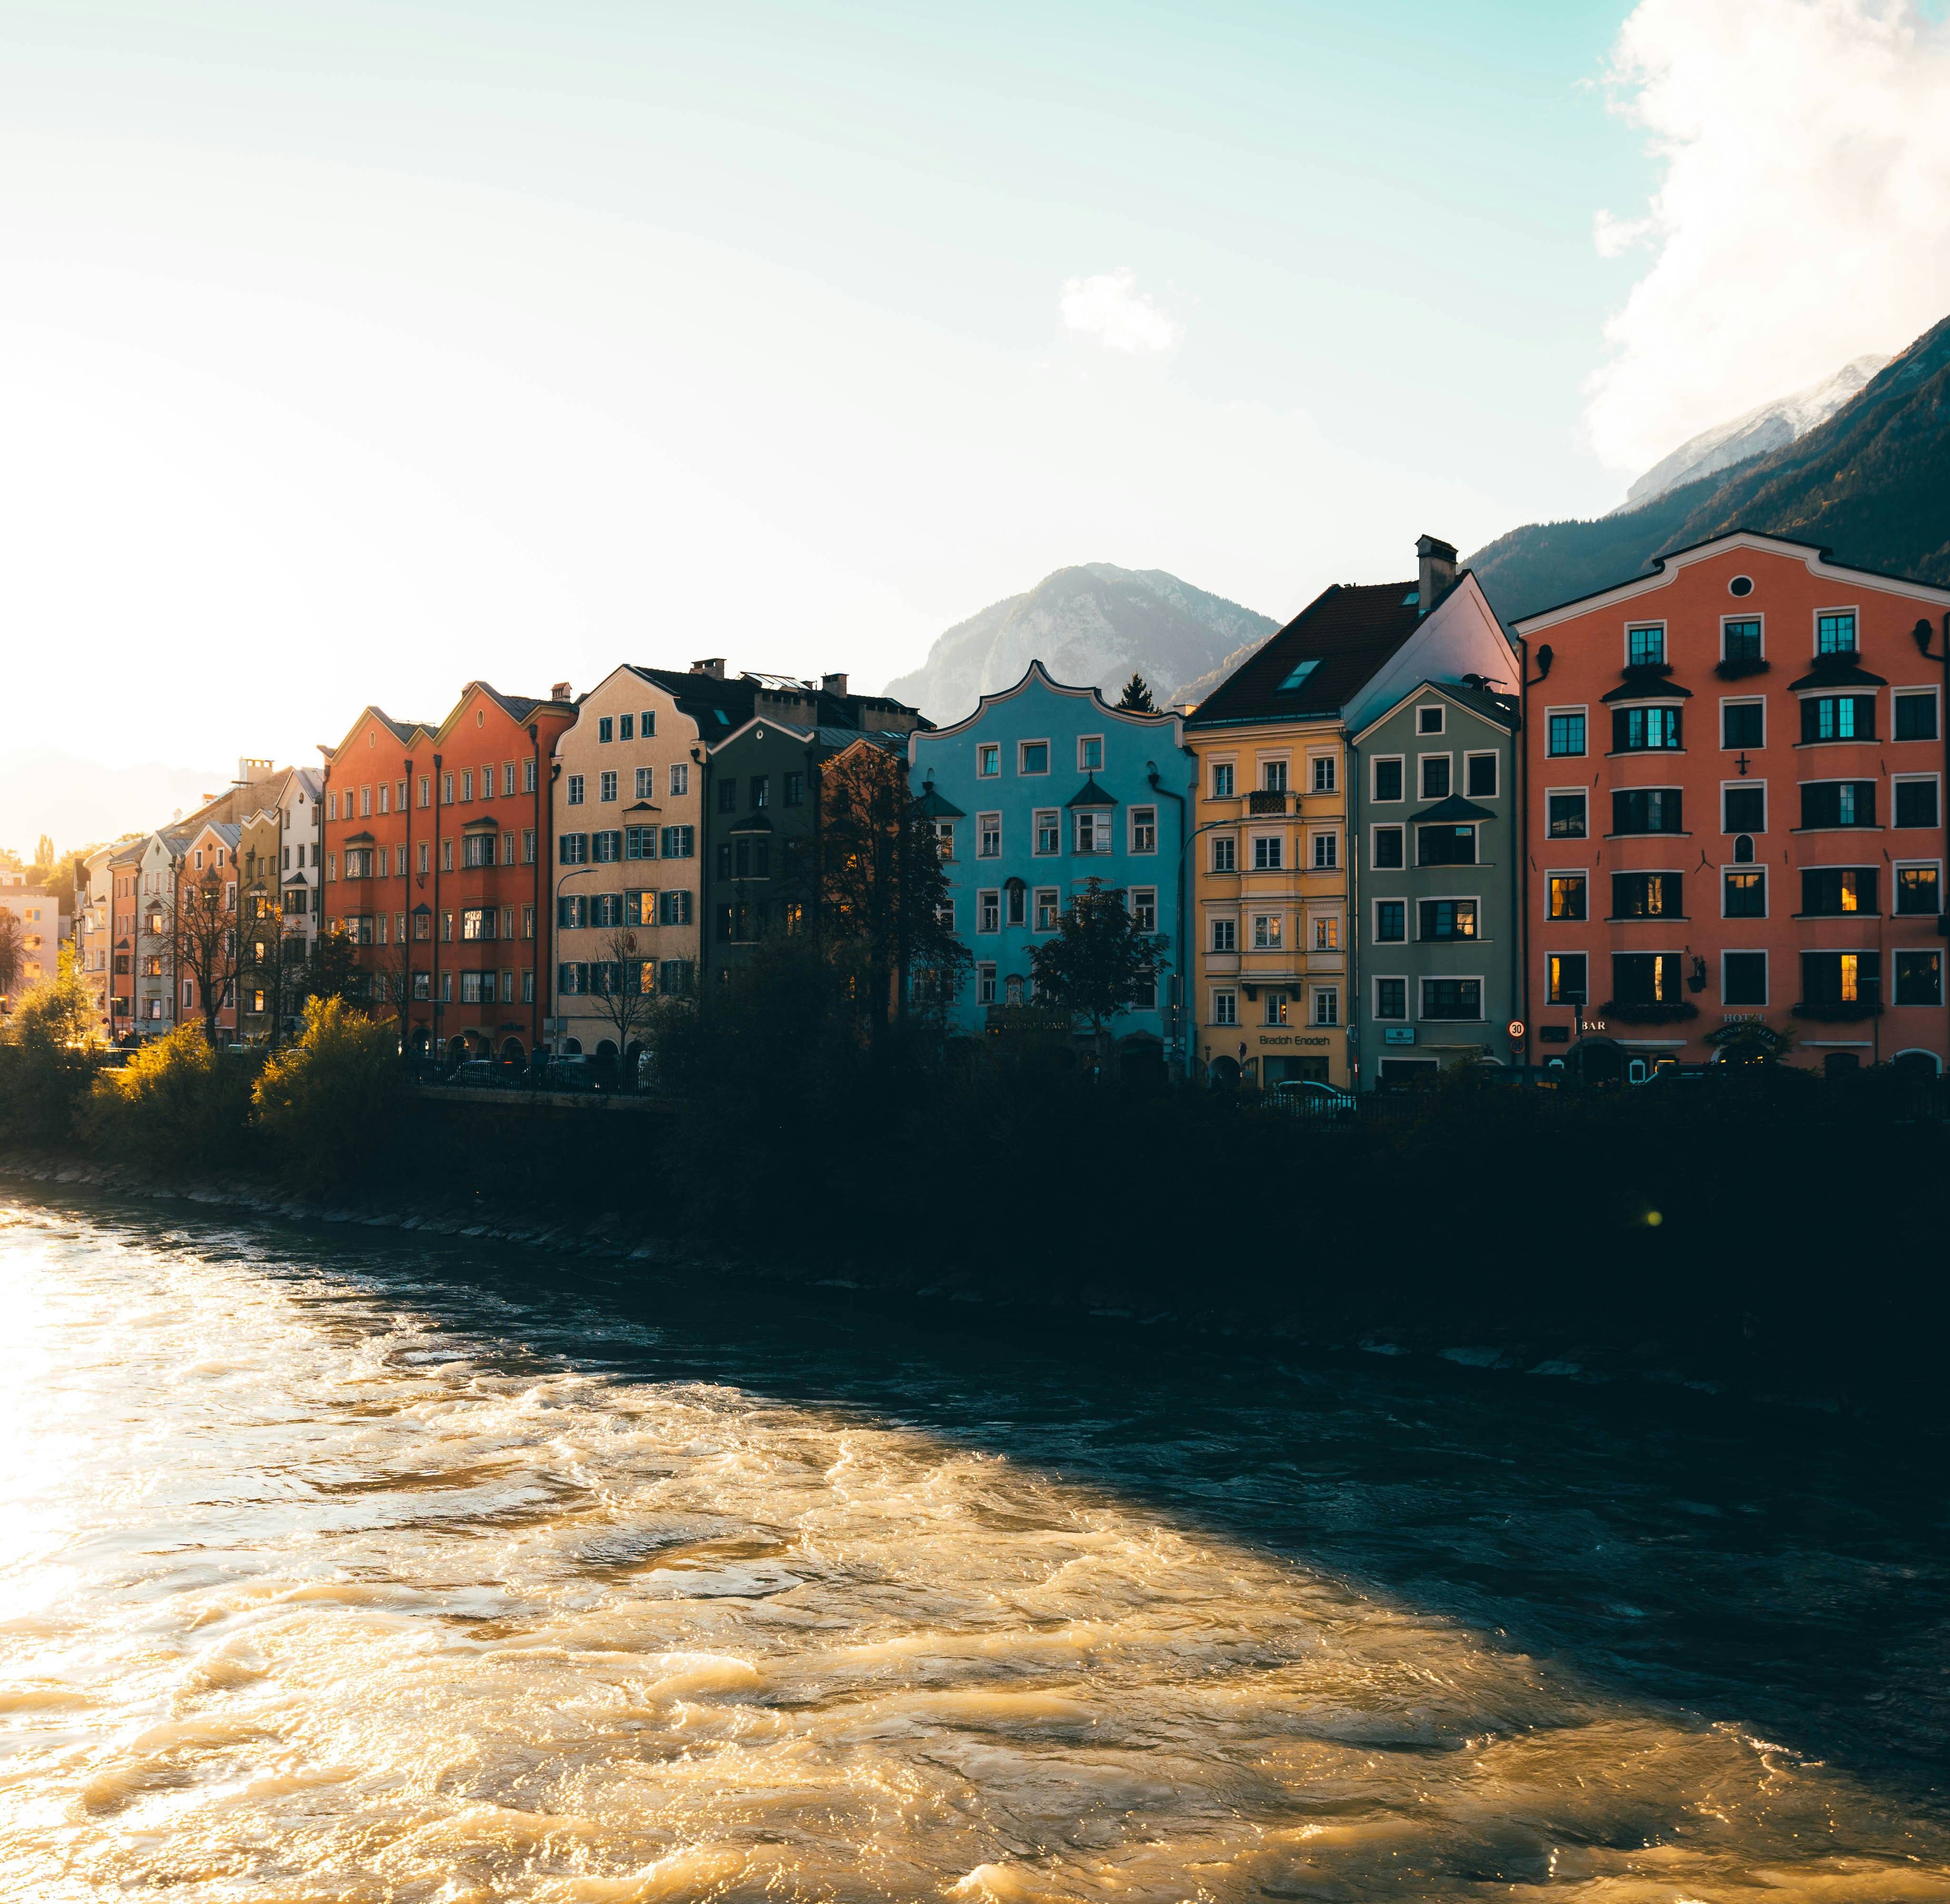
935, 807
1502, 709
1848, 675
1090, 795
1454, 808
1348, 632
704, 697
1647, 687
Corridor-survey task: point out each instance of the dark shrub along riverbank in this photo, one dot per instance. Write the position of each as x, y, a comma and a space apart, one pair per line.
1764, 1220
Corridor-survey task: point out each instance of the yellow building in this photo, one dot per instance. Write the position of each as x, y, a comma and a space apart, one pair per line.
1275, 891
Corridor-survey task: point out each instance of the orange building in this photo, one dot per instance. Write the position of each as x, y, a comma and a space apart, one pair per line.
1734, 770
436, 847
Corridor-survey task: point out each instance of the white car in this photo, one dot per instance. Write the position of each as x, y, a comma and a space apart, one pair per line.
1309, 1097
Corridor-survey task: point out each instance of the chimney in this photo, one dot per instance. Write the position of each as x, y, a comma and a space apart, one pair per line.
1435, 569
832, 684
560, 692
715, 667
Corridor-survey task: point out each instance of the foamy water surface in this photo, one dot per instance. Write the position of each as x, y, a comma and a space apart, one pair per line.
338, 1572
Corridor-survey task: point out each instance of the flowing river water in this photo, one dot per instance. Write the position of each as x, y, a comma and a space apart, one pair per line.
334, 1568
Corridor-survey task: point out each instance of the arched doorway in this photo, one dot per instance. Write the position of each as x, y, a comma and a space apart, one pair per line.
1920, 1065
513, 1052
456, 1051
1224, 1073
1840, 1064
1598, 1061
571, 1046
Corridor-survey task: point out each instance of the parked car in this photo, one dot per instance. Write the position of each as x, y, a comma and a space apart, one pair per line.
481, 1074
1309, 1097
572, 1071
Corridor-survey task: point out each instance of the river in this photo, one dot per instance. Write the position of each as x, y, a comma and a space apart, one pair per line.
339, 1565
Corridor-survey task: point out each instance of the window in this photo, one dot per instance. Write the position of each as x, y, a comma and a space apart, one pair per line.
1267, 931
1144, 829
572, 912
988, 764
1917, 888
673, 908
989, 911
529, 777
1033, 757
1740, 640
1916, 717
1274, 1012
727, 796
1327, 1005
646, 723
1645, 645
1224, 936
1452, 998
572, 849
1391, 998
1564, 815
944, 838
1323, 773
1445, 918
1093, 830
1225, 853
1048, 909
1646, 895
1225, 1008
1743, 723
1144, 907
1388, 842
1838, 889
1919, 978
467, 783
1090, 753
1646, 978
1296, 678
1841, 978
1835, 634
678, 842
1480, 776
1568, 982
607, 846
605, 729
1838, 803
1838, 716
1564, 731
1222, 780
680, 779
1647, 810
1434, 777
985, 985
1445, 846
477, 922
1272, 775
1743, 895
1326, 852
647, 783
1640, 730
422, 924
1018, 896
478, 849
626, 730
1268, 852
1743, 979
762, 791
1568, 895
1388, 779
575, 782
793, 790
1915, 803
1429, 719
640, 842
989, 836
1743, 810
1048, 835
1391, 921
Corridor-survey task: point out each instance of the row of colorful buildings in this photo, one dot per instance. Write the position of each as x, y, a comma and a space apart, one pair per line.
1704, 805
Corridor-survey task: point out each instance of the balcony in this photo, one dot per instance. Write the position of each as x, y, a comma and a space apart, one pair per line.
1266, 800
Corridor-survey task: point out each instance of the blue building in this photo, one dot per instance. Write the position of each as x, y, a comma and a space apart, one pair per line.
1042, 790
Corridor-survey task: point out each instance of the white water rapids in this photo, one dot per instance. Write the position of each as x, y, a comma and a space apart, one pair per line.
318, 1585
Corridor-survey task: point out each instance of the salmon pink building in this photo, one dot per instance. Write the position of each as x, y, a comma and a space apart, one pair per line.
1734, 768
436, 846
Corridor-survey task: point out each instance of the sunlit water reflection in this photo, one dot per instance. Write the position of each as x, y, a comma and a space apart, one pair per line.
318, 1583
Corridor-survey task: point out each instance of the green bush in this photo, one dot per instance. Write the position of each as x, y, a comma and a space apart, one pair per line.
329, 1103
45, 1065
179, 1103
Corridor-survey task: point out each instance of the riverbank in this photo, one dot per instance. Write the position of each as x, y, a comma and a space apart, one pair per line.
1051, 1310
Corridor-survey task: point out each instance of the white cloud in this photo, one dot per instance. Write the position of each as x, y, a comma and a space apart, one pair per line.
1110, 307
1803, 219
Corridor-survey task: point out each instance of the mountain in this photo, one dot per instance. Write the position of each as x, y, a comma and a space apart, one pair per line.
1773, 426
1095, 625
1868, 484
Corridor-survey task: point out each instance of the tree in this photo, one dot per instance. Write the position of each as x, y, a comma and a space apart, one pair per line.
1137, 696
201, 930
44, 1068
332, 971
629, 1003
331, 1100
1099, 958
44, 850
882, 893
13, 952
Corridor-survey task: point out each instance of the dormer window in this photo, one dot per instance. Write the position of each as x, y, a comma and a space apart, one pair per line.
1295, 681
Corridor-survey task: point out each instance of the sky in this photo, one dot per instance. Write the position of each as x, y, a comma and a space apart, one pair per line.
351, 351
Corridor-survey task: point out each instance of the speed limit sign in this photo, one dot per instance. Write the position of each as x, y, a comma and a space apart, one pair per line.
1516, 1028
